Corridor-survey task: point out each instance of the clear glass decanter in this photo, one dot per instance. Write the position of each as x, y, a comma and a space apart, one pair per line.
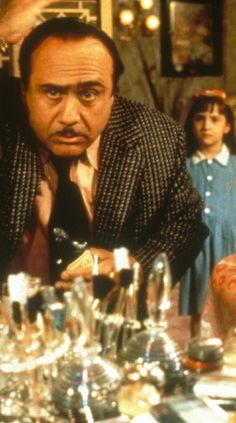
86, 385
30, 346
153, 344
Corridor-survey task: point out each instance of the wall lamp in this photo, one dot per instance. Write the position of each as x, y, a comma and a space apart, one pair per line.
137, 16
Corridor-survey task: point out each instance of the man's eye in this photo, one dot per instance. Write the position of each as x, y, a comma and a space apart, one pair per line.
53, 94
88, 95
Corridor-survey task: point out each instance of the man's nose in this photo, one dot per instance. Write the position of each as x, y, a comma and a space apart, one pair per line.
70, 111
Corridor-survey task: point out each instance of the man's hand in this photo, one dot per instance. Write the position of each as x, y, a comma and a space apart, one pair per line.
18, 18
106, 265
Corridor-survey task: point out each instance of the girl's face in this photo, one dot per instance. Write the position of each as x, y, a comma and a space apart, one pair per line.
209, 128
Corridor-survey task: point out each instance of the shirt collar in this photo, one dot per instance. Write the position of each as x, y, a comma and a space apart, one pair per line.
92, 153
44, 155
222, 157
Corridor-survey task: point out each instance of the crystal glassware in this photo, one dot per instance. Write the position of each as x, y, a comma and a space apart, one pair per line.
153, 343
30, 346
86, 385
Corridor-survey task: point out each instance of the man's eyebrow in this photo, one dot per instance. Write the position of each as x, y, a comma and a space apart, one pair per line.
83, 85
88, 84
50, 86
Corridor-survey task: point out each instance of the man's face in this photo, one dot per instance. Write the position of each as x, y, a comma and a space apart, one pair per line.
70, 94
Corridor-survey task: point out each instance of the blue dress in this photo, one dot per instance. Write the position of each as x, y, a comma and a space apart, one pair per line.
215, 181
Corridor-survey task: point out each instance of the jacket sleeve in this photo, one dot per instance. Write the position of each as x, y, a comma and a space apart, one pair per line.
177, 228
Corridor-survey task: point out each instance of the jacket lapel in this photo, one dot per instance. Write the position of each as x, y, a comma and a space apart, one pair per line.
20, 175
119, 170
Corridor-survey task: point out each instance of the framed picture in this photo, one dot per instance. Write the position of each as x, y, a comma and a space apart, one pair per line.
97, 12
191, 43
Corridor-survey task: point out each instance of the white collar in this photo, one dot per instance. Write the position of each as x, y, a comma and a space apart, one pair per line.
92, 153
222, 157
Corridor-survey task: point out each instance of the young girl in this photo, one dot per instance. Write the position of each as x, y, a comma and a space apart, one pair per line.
211, 148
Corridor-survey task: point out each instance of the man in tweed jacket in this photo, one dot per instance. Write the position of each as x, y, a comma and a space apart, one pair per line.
144, 199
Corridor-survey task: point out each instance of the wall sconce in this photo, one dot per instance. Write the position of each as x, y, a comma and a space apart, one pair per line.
146, 4
126, 17
136, 17
151, 23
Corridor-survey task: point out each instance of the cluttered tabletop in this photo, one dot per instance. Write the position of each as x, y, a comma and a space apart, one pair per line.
67, 357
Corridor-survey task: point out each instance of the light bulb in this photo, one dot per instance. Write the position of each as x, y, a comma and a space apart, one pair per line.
146, 4
152, 22
126, 17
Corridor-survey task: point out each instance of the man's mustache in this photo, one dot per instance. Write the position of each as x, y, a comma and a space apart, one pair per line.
68, 132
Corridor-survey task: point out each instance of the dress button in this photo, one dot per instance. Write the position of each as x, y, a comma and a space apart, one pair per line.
207, 193
207, 210
209, 177
209, 161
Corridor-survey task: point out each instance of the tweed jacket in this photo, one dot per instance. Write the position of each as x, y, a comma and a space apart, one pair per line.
144, 197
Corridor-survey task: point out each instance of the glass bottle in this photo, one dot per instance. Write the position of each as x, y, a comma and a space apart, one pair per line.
153, 344
204, 354
86, 386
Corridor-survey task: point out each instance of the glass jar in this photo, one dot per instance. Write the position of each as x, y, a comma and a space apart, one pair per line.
204, 354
